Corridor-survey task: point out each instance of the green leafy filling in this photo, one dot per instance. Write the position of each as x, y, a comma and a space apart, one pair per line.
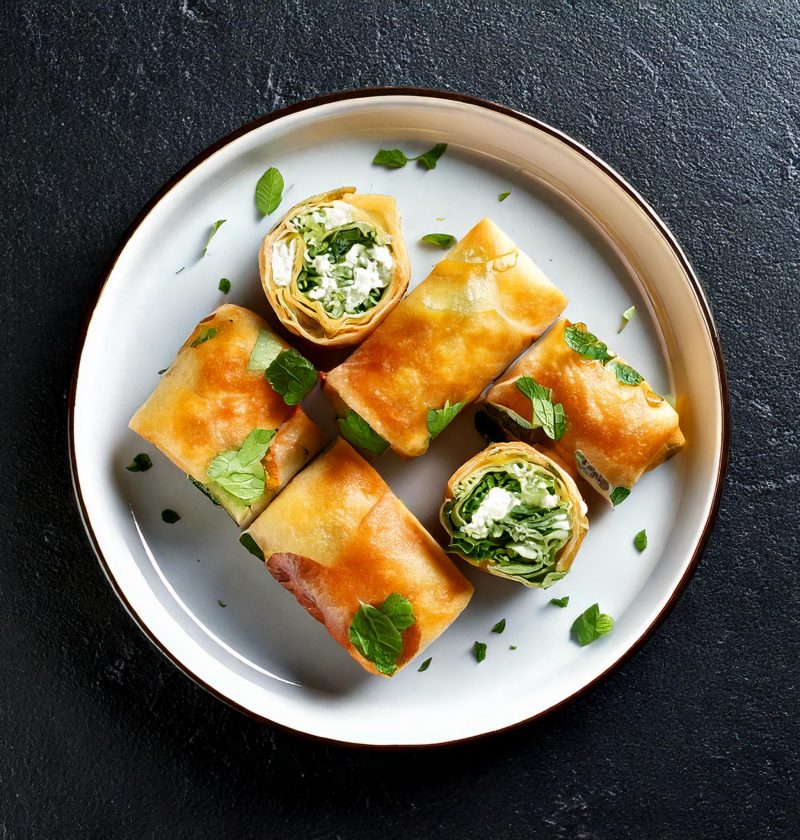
440, 418
375, 631
252, 546
354, 428
240, 472
533, 524
206, 334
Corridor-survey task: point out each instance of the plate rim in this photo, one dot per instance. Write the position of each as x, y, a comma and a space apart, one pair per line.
621, 183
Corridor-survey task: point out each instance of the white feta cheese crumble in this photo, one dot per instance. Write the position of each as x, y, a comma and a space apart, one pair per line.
283, 262
497, 503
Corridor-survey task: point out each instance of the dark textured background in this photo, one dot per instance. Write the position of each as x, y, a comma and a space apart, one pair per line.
697, 104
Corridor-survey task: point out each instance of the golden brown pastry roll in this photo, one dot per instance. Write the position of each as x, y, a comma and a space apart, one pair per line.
616, 427
477, 310
335, 266
513, 512
216, 416
355, 557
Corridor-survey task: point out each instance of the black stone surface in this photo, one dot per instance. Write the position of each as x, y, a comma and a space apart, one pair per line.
697, 104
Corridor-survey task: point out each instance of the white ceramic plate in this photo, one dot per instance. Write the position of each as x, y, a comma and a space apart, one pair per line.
586, 228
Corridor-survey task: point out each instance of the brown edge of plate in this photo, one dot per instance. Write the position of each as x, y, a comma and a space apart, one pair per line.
363, 93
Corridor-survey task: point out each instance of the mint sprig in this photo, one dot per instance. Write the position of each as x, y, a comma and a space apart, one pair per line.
375, 631
546, 414
397, 159
590, 625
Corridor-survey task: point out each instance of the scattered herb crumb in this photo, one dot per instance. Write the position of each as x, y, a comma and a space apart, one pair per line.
626, 316
169, 516
214, 228
560, 602
500, 626
221, 603
440, 218
591, 625
440, 240
224, 285
640, 540
396, 158
206, 334
162, 371
140, 463
425, 665
503, 196
180, 269
479, 649
512, 647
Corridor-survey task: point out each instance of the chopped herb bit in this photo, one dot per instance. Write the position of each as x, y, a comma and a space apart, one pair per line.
206, 334
269, 191
291, 375
265, 351
396, 158
355, 429
224, 285
591, 625
503, 196
512, 647
252, 546
626, 374
169, 516
626, 316
140, 463
221, 603
500, 626
440, 240
618, 495
425, 665
375, 631
180, 269
548, 415
240, 472
214, 228
587, 344
487, 428
640, 541
560, 602
440, 218
163, 370
440, 418
479, 649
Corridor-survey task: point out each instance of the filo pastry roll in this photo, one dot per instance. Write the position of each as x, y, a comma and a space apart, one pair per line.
513, 512
217, 418
477, 310
359, 562
617, 426
335, 266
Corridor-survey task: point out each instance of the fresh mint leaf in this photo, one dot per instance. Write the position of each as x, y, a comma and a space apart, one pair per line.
425, 665
355, 429
224, 285
440, 240
587, 344
430, 158
374, 634
399, 611
560, 602
204, 490
500, 626
479, 649
626, 316
265, 351
214, 228
627, 375
291, 375
591, 625
546, 414
140, 463
440, 418
618, 495
240, 472
252, 546
221, 603
503, 196
169, 516
640, 541
269, 191
206, 334
391, 158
